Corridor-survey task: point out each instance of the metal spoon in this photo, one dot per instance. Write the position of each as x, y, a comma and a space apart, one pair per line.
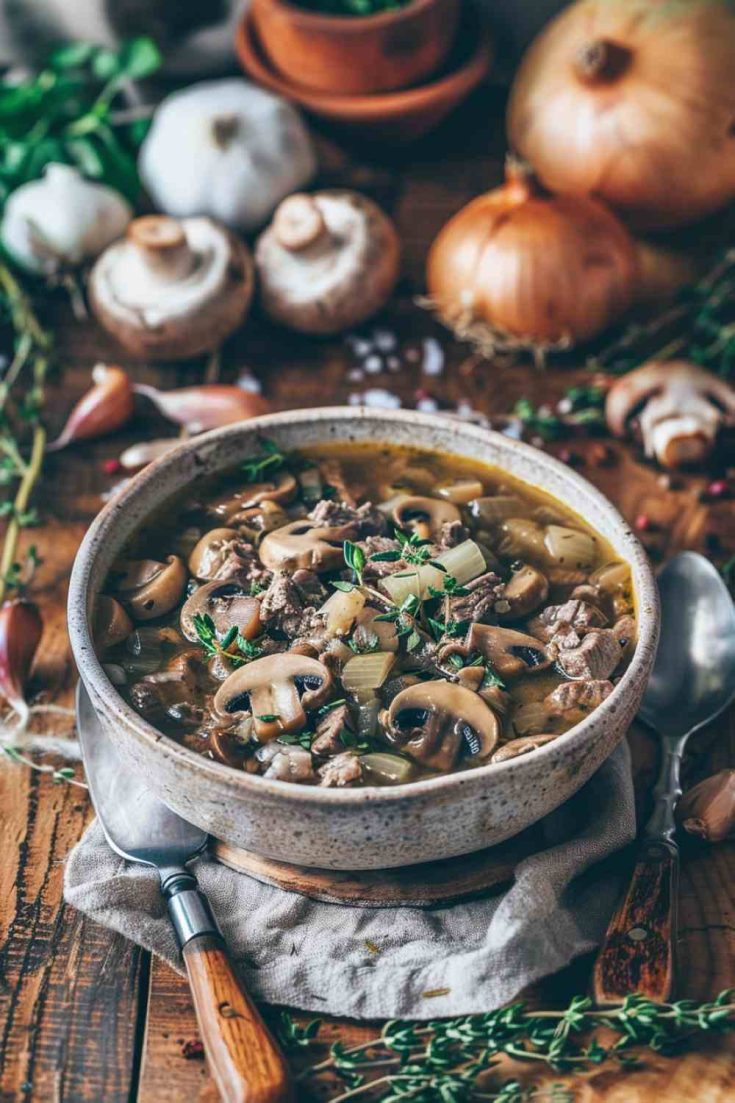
693, 680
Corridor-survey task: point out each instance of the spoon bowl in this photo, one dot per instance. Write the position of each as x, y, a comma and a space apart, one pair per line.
693, 677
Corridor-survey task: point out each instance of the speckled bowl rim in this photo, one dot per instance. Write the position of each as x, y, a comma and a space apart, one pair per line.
94, 676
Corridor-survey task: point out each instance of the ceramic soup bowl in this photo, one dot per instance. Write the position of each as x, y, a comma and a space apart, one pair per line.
368, 828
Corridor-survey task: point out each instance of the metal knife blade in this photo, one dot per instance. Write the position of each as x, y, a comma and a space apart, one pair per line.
136, 823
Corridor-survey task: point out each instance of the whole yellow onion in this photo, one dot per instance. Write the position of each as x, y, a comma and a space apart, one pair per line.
519, 263
633, 101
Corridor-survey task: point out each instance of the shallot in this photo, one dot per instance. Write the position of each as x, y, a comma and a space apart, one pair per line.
107, 406
21, 628
205, 407
708, 809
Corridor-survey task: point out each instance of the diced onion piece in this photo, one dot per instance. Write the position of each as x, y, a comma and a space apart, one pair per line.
464, 562
461, 492
399, 586
522, 539
570, 548
386, 769
500, 507
340, 611
367, 671
367, 713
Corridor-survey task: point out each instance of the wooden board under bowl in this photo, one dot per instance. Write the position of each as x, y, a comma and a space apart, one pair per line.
422, 886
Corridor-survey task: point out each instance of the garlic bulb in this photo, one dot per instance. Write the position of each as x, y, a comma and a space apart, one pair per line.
225, 149
61, 220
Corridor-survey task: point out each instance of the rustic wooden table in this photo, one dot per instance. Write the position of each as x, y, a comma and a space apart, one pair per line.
86, 1017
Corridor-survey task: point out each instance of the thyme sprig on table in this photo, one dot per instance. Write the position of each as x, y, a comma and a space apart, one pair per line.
456, 1060
22, 431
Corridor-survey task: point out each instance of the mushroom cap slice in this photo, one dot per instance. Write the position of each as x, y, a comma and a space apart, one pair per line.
680, 409
211, 551
433, 722
510, 653
172, 289
425, 515
305, 545
526, 589
517, 747
111, 624
285, 686
147, 588
281, 489
327, 261
228, 603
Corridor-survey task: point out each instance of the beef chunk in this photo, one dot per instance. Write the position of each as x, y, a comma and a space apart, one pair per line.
329, 730
595, 658
579, 615
368, 520
281, 606
168, 693
381, 568
310, 586
479, 603
577, 697
341, 771
452, 533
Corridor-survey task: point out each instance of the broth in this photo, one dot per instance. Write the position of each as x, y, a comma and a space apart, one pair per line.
353, 615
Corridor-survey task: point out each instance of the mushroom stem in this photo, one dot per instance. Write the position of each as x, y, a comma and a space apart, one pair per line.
298, 223
162, 247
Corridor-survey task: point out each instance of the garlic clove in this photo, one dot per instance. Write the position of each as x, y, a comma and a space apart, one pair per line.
107, 406
708, 809
205, 407
21, 628
61, 221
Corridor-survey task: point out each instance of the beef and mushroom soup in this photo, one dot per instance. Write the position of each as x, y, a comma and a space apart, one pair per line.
365, 615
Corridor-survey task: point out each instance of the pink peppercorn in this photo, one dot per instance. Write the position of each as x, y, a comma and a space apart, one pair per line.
717, 489
642, 522
111, 467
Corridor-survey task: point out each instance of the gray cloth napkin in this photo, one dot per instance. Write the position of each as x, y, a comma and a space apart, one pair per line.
391, 962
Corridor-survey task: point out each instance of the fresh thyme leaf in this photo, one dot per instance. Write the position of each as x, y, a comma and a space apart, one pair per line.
229, 637
268, 717
385, 557
270, 460
355, 559
330, 706
413, 641
345, 587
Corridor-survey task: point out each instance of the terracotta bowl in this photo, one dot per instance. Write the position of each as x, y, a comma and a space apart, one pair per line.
387, 117
369, 828
356, 55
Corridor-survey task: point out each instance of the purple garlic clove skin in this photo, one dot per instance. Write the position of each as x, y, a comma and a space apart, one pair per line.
708, 809
20, 634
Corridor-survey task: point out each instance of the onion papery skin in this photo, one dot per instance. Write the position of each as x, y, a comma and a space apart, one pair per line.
538, 268
653, 133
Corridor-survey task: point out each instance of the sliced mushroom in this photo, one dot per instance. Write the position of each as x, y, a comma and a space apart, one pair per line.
425, 516
327, 261
526, 589
212, 551
508, 652
380, 634
518, 747
278, 690
111, 624
172, 289
281, 489
679, 409
302, 544
228, 603
148, 588
435, 722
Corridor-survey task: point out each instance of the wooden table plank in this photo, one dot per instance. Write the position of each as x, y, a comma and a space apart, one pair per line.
72, 995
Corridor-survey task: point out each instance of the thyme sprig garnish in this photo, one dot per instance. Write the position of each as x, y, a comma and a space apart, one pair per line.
231, 645
455, 1060
22, 431
270, 460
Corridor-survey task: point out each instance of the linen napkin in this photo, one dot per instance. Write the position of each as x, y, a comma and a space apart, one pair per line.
391, 962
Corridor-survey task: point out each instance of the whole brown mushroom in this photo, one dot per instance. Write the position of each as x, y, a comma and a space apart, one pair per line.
435, 722
327, 261
172, 289
679, 408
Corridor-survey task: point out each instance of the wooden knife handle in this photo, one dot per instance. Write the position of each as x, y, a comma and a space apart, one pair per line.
637, 954
243, 1056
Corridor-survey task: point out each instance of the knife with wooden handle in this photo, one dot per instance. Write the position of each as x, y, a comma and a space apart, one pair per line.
244, 1058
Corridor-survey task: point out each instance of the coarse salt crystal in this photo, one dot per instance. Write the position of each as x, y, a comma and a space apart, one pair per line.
427, 405
433, 359
376, 396
373, 365
384, 340
247, 382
